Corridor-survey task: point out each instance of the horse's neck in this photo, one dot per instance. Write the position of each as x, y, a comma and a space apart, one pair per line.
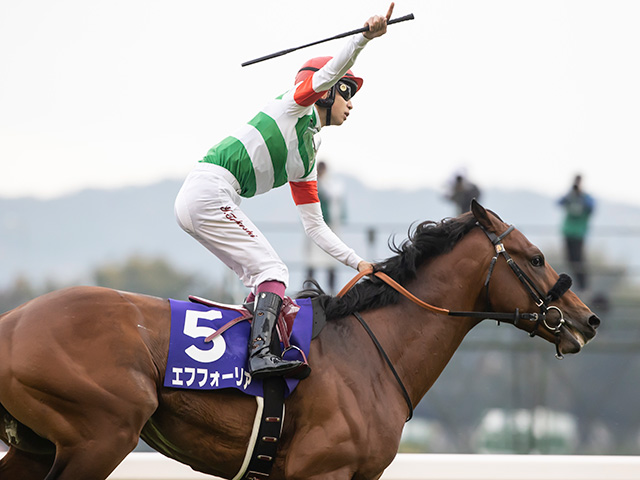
424, 342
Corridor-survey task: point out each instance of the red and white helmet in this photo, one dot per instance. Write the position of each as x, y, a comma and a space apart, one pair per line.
315, 64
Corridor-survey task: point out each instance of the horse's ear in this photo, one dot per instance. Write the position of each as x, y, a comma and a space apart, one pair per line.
481, 214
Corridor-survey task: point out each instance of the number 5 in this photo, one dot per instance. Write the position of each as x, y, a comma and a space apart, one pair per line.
193, 330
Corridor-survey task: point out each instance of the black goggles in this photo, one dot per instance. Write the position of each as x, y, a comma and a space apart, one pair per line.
346, 89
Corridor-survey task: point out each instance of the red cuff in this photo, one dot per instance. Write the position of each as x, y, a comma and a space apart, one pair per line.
304, 192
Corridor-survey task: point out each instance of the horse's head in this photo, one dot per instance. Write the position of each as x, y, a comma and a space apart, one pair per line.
524, 282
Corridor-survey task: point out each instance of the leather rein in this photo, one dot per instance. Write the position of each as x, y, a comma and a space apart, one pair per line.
541, 300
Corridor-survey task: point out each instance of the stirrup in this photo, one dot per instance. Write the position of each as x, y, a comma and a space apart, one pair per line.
274, 366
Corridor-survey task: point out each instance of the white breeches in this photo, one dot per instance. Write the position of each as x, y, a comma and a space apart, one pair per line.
207, 208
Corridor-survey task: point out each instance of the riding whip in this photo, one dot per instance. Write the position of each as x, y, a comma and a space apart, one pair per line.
340, 35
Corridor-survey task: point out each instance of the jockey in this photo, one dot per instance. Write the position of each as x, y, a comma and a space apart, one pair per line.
277, 146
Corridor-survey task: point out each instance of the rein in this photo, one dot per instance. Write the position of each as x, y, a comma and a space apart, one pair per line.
541, 300
500, 316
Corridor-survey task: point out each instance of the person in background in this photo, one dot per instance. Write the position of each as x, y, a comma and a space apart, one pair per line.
578, 207
276, 147
462, 192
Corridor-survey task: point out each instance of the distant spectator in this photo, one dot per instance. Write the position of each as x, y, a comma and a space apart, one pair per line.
578, 207
462, 192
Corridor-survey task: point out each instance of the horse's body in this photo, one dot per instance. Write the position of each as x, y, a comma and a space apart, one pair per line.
81, 371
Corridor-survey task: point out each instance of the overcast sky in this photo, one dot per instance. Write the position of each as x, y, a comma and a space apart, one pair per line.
519, 93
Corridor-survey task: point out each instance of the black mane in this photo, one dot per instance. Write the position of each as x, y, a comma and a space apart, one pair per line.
429, 239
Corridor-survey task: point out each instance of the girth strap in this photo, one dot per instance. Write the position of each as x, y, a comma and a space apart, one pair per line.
266, 446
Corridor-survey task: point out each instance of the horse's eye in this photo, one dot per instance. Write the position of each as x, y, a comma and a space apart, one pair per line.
537, 261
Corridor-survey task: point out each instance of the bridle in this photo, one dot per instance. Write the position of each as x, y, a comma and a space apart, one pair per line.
541, 300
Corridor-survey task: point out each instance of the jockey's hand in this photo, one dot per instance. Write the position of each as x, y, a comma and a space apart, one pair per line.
365, 266
378, 24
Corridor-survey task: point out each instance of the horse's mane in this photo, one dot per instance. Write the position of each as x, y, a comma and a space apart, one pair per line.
427, 240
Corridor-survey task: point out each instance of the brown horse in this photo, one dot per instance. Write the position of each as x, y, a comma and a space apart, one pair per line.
81, 369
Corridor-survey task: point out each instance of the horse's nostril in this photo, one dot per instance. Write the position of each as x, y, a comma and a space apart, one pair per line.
594, 321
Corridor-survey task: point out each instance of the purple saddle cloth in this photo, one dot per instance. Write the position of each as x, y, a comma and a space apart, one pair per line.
197, 364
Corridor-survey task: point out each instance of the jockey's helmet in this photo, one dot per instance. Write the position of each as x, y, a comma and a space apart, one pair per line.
348, 81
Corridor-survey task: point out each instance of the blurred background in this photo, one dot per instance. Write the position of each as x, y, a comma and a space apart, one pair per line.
502, 391
106, 106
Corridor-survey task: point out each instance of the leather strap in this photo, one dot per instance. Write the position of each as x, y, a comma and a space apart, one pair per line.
386, 358
391, 282
266, 447
354, 280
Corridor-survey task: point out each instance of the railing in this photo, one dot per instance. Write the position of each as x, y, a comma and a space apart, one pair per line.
147, 466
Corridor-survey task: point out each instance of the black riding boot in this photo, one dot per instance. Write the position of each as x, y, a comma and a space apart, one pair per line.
263, 363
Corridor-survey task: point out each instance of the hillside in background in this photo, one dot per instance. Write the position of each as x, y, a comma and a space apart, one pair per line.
63, 239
